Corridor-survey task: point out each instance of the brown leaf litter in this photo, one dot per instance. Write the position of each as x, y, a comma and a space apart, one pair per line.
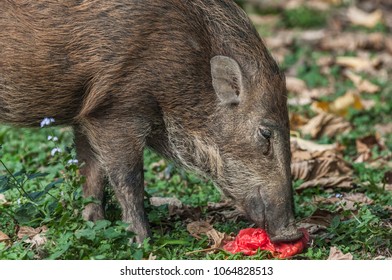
325, 124
341, 105
34, 236
359, 17
322, 167
3, 200
4, 238
365, 147
319, 221
346, 201
336, 254
216, 239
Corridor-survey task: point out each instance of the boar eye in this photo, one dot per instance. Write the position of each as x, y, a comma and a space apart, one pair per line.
265, 133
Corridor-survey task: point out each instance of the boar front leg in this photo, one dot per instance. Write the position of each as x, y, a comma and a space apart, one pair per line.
120, 150
94, 174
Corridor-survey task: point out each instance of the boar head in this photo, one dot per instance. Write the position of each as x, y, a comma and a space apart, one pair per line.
251, 131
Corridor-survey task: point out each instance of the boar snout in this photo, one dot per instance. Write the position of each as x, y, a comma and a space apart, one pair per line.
274, 215
285, 234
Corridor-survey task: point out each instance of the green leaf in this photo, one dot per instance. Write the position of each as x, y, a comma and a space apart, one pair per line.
335, 222
111, 233
25, 213
101, 224
88, 234
36, 175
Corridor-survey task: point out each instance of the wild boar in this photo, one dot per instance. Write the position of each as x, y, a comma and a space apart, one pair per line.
191, 80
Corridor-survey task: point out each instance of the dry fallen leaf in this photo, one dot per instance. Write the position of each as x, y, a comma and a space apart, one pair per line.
280, 39
368, 103
317, 168
2, 199
5, 238
302, 95
336, 254
300, 100
346, 201
326, 124
344, 182
270, 20
298, 155
333, 2
359, 198
362, 18
354, 41
37, 241
295, 85
224, 211
362, 85
30, 232
312, 36
349, 100
339, 106
320, 217
384, 129
176, 207
321, 163
324, 167
158, 201
320, 220
217, 239
322, 5
34, 236
172, 202
365, 146
199, 227
357, 63
310, 146
297, 121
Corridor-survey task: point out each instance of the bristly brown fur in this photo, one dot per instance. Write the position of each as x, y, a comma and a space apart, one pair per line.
130, 74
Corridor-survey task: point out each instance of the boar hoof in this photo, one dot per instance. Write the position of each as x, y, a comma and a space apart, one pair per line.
141, 232
93, 212
137, 239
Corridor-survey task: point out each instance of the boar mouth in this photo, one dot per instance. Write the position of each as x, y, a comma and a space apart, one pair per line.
287, 235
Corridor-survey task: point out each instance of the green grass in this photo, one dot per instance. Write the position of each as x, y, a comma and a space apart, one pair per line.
304, 17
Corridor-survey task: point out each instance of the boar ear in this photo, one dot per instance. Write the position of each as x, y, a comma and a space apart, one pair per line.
226, 79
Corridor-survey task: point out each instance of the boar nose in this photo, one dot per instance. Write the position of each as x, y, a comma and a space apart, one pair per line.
287, 234
279, 214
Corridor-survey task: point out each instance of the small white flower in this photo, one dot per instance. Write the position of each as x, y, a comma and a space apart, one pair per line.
47, 121
73, 161
53, 138
18, 201
55, 151
338, 195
